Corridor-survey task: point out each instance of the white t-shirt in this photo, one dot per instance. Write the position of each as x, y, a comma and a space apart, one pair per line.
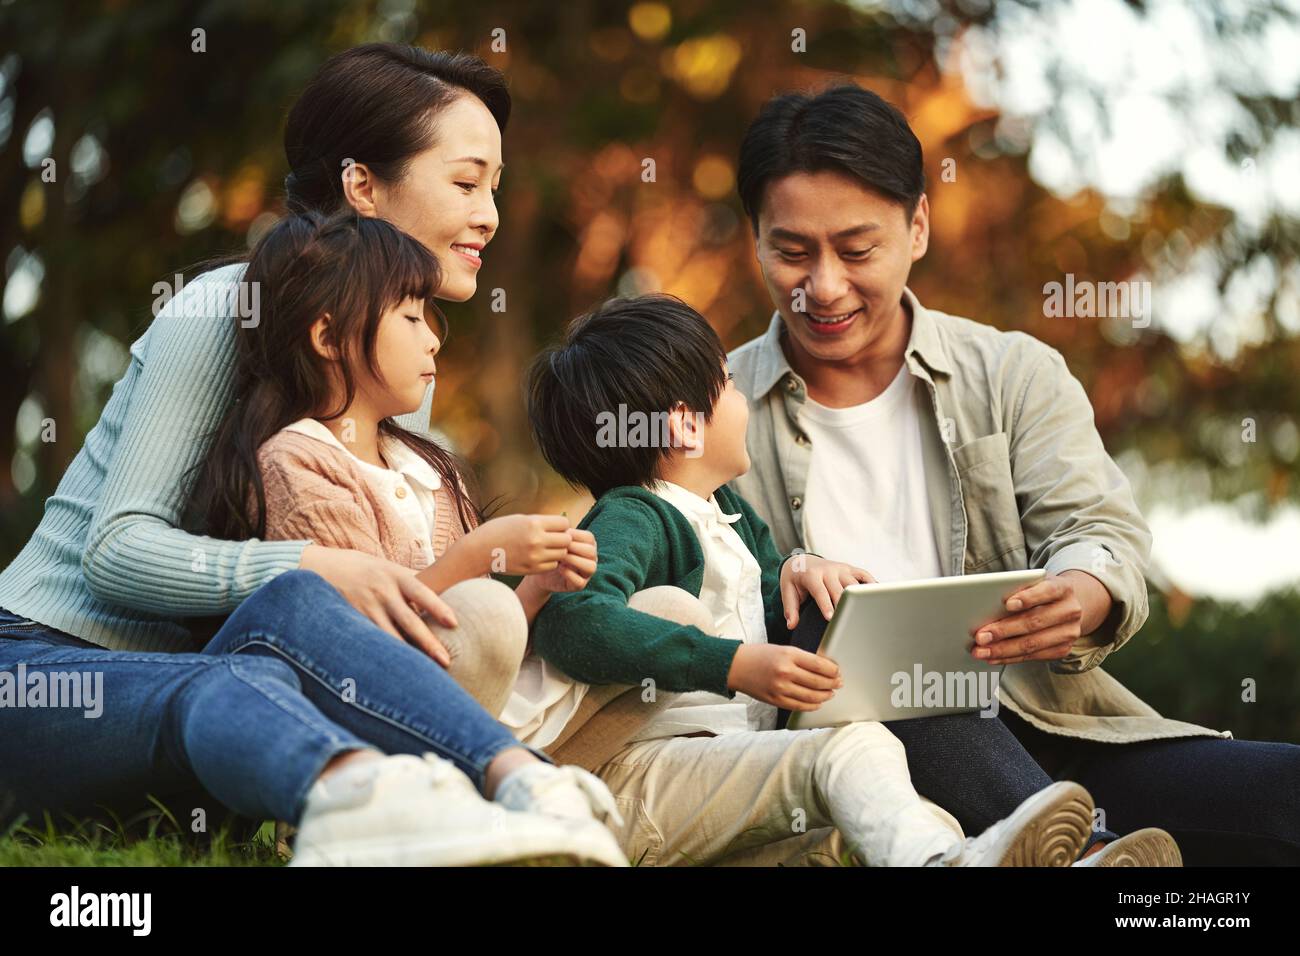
866, 501
732, 591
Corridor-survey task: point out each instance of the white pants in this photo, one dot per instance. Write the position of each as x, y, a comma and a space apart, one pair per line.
698, 800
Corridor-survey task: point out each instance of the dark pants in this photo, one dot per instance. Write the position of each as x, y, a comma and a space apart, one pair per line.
1226, 802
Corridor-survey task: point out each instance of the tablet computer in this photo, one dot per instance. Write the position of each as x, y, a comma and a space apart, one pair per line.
904, 648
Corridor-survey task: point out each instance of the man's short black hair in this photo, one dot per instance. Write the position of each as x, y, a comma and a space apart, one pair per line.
630, 360
845, 129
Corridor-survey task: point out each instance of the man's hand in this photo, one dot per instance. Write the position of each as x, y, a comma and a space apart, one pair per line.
784, 676
1048, 617
806, 575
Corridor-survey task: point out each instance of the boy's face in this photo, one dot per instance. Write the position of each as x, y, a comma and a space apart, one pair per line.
722, 445
835, 257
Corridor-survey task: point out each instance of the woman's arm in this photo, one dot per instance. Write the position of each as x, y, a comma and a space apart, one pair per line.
136, 554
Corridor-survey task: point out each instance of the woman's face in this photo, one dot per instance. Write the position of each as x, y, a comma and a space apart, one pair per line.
446, 198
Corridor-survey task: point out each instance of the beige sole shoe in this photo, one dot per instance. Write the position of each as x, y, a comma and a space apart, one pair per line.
1048, 829
1149, 847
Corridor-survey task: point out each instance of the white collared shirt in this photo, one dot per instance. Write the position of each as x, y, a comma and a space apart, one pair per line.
409, 481
732, 591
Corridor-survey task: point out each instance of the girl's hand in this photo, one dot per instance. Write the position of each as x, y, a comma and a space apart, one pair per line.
575, 568
806, 575
387, 593
524, 544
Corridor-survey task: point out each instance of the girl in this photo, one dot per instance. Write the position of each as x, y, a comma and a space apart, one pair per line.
345, 340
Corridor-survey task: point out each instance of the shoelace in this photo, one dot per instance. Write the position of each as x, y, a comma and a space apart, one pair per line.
599, 799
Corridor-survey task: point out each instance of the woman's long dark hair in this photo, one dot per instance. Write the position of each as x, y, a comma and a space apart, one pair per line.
355, 269
377, 104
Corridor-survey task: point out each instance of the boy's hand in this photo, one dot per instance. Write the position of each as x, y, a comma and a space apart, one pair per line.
806, 575
787, 677
575, 568
523, 544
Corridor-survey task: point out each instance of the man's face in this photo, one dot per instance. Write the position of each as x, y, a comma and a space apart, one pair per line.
848, 249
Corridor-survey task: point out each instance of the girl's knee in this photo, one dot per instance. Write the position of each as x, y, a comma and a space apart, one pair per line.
673, 604
489, 618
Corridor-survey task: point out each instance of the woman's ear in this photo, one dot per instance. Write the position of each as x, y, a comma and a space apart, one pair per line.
321, 339
359, 188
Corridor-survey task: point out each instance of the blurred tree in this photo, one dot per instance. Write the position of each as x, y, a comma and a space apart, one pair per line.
166, 155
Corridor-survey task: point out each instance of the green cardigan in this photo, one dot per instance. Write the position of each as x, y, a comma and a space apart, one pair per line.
644, 541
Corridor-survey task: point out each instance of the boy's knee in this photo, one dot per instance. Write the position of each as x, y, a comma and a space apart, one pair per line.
673, 604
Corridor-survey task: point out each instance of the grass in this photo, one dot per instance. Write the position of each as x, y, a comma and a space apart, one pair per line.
151, 838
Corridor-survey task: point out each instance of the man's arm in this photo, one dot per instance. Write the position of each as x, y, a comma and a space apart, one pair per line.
1080, 521
593, 636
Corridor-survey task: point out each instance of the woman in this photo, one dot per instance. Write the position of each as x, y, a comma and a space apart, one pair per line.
324, 664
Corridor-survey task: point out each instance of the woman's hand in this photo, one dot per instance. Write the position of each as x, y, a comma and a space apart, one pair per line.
806, 575
387, 593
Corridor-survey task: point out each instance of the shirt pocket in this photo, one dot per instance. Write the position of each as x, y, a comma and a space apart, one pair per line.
995, 539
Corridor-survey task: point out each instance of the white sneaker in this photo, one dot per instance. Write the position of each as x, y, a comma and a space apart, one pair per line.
1149, 847
1048, 829
423, 811
567, 792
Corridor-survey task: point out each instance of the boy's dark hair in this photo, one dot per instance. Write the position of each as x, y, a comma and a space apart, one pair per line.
646, 353
845, 129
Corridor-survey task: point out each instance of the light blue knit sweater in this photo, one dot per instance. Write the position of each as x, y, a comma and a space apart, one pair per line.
108, 562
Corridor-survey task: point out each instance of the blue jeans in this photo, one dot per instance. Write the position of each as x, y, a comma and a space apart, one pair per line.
294, 677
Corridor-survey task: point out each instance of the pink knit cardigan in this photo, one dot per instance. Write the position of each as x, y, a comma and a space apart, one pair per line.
318, 492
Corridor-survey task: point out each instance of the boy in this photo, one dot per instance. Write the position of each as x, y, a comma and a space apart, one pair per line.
636, 406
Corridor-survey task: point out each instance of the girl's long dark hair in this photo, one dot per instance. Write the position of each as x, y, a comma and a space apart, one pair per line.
355, 269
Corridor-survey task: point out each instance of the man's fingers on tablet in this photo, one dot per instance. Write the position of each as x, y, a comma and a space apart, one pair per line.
1030, 645
1027, 622
1040, 592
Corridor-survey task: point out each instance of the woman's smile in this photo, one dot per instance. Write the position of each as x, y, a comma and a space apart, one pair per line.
469, 252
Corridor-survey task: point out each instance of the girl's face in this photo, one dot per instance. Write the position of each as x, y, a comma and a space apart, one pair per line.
405, 345
446, 198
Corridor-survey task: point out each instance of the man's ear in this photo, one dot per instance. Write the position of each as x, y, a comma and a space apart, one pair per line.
359, 188
921, 227
321, 339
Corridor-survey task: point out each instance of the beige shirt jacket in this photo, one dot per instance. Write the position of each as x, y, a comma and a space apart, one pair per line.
1017, 477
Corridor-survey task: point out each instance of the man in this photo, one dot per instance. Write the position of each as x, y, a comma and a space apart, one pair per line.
918, 444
